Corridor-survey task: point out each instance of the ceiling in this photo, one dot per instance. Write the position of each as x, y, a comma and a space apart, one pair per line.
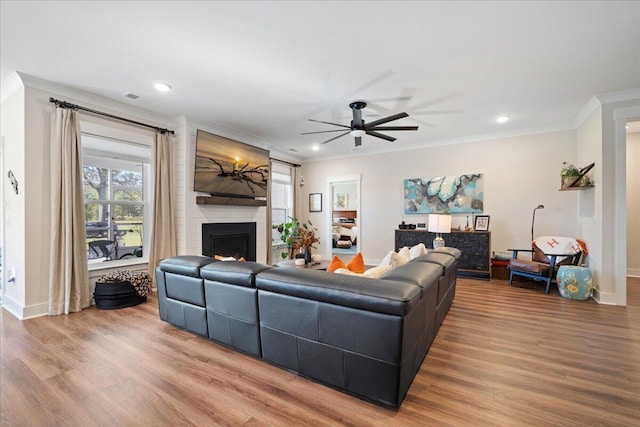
263, 68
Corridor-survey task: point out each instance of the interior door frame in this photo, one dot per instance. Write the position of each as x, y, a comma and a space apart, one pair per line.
328, 219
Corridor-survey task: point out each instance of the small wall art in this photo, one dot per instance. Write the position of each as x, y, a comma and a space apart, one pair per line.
341, 201
482, 223
444, 194
315, 202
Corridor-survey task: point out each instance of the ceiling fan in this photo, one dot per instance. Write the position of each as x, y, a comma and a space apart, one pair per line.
359, 128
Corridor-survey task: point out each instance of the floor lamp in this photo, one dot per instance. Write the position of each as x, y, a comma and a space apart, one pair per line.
439, 224
533, 220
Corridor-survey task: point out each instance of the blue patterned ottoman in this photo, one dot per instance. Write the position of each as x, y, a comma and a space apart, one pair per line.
574, 282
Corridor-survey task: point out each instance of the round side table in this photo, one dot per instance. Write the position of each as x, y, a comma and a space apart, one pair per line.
574, 282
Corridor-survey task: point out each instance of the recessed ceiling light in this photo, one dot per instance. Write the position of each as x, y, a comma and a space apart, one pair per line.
315, 147
502, 119
162, 87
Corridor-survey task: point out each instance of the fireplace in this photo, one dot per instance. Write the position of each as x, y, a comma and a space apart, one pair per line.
229, 239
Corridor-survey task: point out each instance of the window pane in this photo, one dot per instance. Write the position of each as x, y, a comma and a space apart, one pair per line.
127, 185
97, 220
96, 183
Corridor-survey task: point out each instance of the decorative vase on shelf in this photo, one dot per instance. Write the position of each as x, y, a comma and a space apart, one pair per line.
307, 255
567, 181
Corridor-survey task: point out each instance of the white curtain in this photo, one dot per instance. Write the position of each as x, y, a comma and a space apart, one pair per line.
163, 235
68, 275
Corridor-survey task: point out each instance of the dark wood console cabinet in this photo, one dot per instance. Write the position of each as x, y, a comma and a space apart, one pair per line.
475, 247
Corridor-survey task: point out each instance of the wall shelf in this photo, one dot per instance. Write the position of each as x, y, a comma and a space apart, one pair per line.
575, 182
579, 187
237, 201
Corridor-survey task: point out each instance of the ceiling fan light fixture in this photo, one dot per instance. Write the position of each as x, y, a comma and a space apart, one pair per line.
357, 132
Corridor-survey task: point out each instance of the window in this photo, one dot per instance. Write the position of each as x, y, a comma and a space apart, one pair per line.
281, 203
281, 193
116, 178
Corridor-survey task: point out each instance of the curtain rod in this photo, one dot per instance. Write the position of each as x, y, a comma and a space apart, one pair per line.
284, 161
65, 104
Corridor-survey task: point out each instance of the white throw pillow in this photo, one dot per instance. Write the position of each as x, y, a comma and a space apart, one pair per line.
418, 250
405, 255
347, 272
372, 273
387, 259
376, 272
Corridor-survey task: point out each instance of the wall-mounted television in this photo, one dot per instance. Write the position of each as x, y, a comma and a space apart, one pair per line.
229, 168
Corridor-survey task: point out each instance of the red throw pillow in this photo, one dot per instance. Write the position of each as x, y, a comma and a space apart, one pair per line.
335, 264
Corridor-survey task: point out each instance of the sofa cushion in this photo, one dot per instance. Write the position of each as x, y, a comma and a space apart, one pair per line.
377, 295
235, 273
443, 259
454, 252
420, 274
187, 265
529, 266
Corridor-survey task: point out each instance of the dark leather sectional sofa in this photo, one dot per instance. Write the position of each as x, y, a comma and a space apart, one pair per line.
365, 336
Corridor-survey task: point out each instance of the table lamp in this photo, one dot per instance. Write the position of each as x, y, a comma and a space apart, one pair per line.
439, 224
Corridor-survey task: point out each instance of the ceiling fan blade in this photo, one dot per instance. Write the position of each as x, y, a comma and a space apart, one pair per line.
358, 141
379, 135
322, 131
329, 123
394, 128
385, 120
336, 137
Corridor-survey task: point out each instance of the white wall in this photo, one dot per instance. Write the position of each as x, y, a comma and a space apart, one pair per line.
633, 204
12, 123
519, 173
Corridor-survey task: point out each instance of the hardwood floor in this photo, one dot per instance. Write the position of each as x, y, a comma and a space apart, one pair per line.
506, 356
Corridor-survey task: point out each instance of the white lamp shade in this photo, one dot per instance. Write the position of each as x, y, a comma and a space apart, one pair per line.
440, 223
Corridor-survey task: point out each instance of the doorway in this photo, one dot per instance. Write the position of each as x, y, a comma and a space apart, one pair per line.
344, 221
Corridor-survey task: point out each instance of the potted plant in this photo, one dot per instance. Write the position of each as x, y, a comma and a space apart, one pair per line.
306, 240
569, 174
296, 236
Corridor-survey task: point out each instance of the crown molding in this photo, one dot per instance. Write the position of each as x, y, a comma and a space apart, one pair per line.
10, 86
586, 111
623, 95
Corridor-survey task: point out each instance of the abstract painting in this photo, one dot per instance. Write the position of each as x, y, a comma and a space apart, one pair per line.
444, 194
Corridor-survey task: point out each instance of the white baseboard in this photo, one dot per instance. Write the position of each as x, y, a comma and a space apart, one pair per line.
633, 272
36, 310
12, 306
24, 312
606, 298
